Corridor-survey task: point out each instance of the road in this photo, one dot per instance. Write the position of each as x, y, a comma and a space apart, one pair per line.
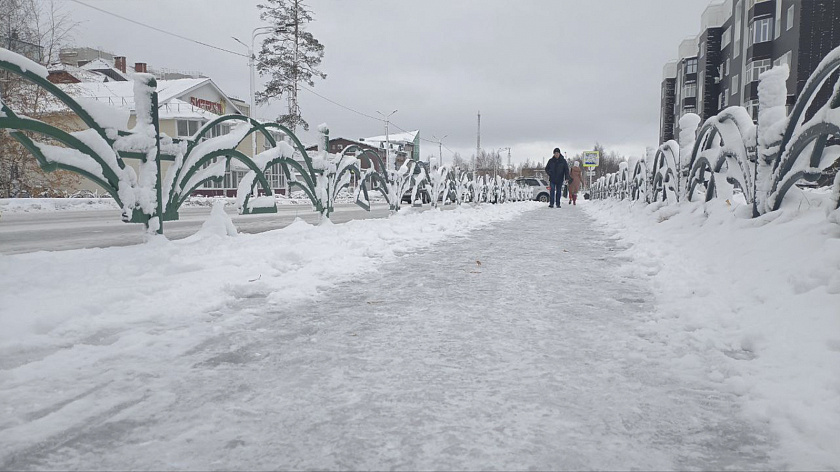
63, 230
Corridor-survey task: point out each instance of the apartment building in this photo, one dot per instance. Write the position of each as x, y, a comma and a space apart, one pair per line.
738, 40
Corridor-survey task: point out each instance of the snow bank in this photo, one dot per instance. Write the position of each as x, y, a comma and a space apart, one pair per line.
65, 309
32, 205
752, 303
219, 223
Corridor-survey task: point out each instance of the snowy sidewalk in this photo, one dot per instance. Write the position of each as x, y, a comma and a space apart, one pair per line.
532, 359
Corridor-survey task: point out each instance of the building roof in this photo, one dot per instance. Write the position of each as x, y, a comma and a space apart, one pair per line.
407, 137
714, 16
121, 94
688, 48
669, 71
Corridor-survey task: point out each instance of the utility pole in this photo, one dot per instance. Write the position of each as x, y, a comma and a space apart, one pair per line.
252, 60
387, 138
477, 147
494, 160
440, 149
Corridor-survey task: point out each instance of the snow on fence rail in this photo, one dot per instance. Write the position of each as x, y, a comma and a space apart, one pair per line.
731, 154
148, 197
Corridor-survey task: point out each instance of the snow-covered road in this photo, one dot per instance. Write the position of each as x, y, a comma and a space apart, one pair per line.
518, 347
22, 232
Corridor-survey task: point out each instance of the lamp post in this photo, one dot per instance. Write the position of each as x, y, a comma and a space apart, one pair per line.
440, 148
387, 138
258, 31
494, 160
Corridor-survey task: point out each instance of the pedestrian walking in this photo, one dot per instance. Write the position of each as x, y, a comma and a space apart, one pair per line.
574, 184
558, 172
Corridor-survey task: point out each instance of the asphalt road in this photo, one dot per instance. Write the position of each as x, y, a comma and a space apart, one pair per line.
63, 230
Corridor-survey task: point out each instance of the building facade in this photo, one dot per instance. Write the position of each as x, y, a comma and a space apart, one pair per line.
403, 146
740, 39
185, 105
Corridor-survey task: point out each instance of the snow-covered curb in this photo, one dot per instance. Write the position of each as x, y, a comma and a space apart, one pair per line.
752, 303
37, 205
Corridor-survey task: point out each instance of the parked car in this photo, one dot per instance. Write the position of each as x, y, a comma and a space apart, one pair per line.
539, 188
422, 194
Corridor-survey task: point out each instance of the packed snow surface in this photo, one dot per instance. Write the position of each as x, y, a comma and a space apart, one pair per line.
602, 336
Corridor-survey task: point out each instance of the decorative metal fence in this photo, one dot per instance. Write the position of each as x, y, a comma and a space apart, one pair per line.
150, 197
731, 154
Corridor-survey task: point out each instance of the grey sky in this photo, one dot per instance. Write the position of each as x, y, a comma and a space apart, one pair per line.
543, 73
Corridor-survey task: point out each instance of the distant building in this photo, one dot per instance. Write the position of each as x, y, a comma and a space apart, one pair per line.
108, 63
185, 105
403, 146
14, 43
338, 145
740, 39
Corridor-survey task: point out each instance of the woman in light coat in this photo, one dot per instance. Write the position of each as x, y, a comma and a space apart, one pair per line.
576, 175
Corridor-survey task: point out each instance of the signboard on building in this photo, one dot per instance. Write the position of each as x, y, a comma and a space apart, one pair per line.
213, 107
590, 158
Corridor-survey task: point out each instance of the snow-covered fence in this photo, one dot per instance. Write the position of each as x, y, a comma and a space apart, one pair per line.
731, 154
146, 196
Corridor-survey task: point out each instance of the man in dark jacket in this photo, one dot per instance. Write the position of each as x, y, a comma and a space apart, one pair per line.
558, 172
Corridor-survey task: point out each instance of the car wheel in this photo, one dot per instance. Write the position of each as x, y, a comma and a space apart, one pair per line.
542, 198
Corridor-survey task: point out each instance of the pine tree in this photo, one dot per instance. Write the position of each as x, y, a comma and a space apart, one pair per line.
290, 55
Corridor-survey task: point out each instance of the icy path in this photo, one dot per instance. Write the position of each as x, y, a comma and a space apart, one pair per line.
434, 363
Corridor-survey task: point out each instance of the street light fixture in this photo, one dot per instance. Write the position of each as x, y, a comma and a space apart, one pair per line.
440, 148
387, 138
258, 31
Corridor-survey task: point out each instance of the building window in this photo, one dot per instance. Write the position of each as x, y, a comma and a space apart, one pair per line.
790, 17
690, 90
689, 109
761, 31
700, 81
702, 49
219, 130
754, 70
188, 128
724, 99
738, 15
752, 108
691, 66
726, 38
728, 66
777, 24
734, 84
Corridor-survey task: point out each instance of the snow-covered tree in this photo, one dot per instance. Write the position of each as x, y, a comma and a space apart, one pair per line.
290, 56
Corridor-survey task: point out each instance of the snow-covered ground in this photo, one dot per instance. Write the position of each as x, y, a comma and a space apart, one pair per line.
35, 205
752, 305
606, 336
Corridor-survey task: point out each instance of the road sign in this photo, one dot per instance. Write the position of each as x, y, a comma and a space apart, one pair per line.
590, 158
590, 173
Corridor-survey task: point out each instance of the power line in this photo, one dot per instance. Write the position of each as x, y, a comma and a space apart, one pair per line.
158, 29
366, 115
342, 106
241, 55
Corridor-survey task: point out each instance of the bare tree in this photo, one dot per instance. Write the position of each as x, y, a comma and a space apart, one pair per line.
36, 29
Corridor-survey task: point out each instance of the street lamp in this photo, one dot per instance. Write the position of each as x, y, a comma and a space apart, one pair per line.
258, 31
494, 160
387, 137
440, 148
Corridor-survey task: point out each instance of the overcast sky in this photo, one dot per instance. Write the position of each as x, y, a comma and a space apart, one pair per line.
543, 73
